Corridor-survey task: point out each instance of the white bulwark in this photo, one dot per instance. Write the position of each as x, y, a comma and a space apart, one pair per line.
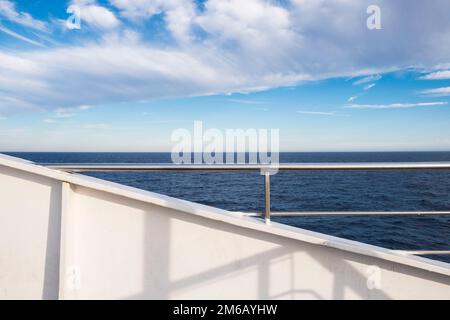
68, 236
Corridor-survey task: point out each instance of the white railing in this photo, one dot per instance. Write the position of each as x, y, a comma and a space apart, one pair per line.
266, 171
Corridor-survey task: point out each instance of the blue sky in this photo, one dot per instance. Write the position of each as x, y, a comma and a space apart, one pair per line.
139, 69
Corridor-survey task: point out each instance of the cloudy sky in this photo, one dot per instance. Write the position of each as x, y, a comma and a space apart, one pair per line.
136, 70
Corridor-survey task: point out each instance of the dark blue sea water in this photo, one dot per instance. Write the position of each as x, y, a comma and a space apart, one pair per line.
425, 190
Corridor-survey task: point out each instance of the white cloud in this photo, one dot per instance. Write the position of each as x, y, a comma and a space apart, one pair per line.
95, 15
134, 9
395, 105
252, 24
352, 98
8, 11
438, 92
243, 46
117, 72
438, 75
179, 14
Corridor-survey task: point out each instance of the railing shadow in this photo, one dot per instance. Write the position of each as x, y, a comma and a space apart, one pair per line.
158, 245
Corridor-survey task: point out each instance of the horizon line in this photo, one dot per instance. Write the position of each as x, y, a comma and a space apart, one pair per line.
303, 151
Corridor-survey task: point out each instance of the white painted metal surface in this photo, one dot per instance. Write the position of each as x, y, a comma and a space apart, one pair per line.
68, 236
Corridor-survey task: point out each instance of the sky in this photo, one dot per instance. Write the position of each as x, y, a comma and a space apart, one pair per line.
136, 70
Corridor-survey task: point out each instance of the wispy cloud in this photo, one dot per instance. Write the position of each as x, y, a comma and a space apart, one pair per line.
168, 121
395, 105
96, 126
13, 132
363, 81
9, 12
438, 92
438, 75
318, 113
73, 109
367, 79
66, 113
352, 98
20, 37
245, 101
369, 86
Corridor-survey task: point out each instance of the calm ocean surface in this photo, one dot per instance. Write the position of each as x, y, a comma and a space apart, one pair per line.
309, 191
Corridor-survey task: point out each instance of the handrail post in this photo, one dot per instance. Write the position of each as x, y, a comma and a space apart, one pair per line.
267, 196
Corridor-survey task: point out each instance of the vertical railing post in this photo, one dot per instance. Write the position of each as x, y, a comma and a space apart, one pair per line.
267, 196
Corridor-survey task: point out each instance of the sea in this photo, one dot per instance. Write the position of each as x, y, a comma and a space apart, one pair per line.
393, 190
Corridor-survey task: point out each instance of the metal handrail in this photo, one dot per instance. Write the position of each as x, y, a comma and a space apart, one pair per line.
249, 167
267, 171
